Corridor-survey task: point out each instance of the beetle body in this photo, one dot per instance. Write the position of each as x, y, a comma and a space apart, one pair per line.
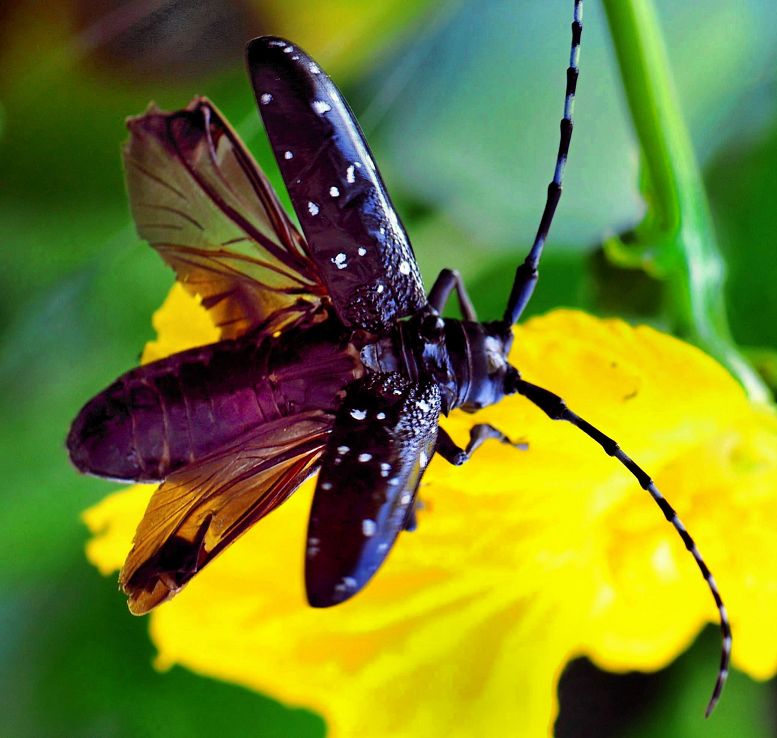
157, 418
160, 418
332, 358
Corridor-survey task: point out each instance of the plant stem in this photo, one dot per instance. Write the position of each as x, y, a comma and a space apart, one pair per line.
676, 240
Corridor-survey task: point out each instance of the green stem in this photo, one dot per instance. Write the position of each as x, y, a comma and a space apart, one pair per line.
676, 240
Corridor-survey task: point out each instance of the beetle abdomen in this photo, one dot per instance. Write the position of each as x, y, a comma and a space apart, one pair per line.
164, 415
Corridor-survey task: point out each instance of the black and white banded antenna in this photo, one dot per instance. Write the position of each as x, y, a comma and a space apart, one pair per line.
527, 273
556, 409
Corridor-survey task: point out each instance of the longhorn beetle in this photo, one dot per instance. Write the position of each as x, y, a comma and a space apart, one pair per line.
331, 356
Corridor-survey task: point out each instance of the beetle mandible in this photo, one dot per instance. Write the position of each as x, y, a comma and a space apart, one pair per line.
331, 356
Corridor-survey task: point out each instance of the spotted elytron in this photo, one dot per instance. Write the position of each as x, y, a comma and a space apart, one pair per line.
332, 357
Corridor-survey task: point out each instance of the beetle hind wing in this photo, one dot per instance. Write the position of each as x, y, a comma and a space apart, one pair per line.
204, 507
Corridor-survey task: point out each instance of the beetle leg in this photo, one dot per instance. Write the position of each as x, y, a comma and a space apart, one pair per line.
478, 435
448, 449
482, 432
446, 282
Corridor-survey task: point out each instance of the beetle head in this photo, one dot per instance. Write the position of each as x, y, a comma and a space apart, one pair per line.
487, 366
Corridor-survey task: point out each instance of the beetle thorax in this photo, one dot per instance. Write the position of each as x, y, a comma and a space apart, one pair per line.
467, 359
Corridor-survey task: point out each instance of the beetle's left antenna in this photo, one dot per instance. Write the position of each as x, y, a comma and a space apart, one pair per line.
527, 273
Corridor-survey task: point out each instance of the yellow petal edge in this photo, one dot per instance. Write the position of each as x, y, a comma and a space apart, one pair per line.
523, 558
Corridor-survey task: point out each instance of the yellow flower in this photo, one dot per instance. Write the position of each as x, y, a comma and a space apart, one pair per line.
523, 559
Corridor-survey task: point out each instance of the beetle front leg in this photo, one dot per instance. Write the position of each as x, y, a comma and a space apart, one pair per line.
478, 435
446, 282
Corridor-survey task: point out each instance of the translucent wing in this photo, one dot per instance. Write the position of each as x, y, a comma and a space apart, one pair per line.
201, 509
202, 202
352, 229
381, 444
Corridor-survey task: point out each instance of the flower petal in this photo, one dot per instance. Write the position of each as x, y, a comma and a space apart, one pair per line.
522, 558
181, 323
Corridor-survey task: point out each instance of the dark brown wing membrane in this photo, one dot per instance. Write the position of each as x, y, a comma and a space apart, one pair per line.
352, 229
204, 507
383, 439
202, 202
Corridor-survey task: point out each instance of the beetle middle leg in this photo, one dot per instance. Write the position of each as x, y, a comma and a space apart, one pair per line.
446, 282
448, 449
478, 435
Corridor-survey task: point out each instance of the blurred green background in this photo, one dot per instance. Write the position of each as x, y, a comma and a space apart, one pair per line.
461, 102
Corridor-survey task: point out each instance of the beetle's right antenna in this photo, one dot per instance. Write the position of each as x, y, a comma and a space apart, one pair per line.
556, 409
527, 273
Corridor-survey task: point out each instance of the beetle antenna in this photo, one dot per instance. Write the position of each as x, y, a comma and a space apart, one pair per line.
553, 406
527, 273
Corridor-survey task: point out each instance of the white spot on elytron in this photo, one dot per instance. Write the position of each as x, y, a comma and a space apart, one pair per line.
362, 251
276, 42
326, 486
312, 208
393, 482
314, 69
383, 547
380, 289
393, 220
385, 469
423, 406
295, 57
321, 107
405, 499
288, 50
340, 261
358, 414
381, 416
334, 192
424, 458
343, 450
288, 155
404, 267
369, 527
357, 164
350, 176
364, 457
265, 98
346, 584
